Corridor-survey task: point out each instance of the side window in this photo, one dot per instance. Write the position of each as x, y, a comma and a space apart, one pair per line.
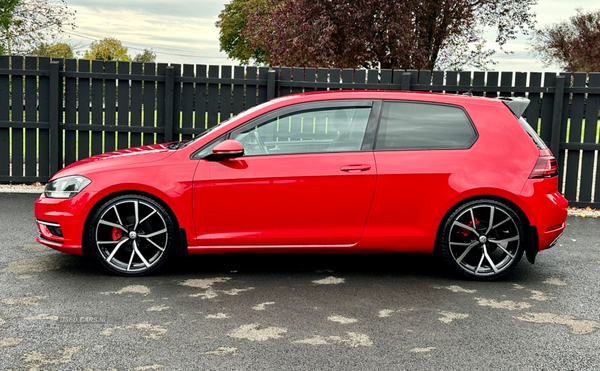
339, 129
414, 126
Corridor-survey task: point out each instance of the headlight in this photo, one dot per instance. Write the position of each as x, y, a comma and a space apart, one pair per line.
66, 187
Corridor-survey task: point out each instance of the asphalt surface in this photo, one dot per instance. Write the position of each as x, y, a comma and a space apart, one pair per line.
295, 312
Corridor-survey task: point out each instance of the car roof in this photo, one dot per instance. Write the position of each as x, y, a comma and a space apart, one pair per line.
389, 94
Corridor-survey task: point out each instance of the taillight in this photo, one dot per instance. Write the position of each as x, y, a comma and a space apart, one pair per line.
546, 167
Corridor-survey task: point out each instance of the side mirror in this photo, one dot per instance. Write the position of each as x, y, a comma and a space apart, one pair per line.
229, 148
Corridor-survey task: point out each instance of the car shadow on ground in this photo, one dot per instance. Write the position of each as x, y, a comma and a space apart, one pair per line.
374, 265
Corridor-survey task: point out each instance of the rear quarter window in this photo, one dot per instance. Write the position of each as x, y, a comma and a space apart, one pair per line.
418, 126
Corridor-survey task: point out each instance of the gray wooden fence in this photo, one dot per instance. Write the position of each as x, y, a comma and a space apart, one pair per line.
55, 112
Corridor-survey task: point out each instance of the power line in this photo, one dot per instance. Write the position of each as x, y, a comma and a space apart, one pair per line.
154, 48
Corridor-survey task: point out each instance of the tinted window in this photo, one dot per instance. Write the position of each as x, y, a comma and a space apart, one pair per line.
339, 129
406, 126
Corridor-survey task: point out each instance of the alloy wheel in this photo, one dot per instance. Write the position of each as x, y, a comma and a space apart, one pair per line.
131, 235
485, 240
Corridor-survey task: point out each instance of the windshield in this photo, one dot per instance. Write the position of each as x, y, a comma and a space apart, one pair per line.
229, 120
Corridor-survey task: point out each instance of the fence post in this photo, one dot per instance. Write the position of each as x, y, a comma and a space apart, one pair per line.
270, 85
559, 93
55, 104
169, 92
406, 77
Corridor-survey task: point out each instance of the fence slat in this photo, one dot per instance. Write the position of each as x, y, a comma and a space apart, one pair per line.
213, 97
465, 80
44, 116
571, 171
17, 115
533, 110
4, 116
238, 90
161, 70
135, 109
70, 112
226, 94
110, 106
547, 107
322, 77
123, 107
83, 110
506, 83
187, 100
520, 80
492, 81
201, 96
251, 74
262, 89
149, 102
478, 80
97, 107
589, 136
30, 115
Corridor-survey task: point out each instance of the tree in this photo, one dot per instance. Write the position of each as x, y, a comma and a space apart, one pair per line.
370, 33
59, 50
27, 23
232, 39
574, 45
107, 49
147, 56
7, 8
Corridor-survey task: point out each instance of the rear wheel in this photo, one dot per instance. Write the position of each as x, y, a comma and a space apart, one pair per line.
132, 235
483, 239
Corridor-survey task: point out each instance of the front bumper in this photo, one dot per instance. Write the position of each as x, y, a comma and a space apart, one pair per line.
61, 221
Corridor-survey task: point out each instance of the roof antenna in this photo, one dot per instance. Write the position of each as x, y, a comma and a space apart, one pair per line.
469, 93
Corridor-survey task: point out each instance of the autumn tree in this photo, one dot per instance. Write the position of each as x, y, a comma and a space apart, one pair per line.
146, 56
58, 50
107, 49
574, 45
370, 33
24, 24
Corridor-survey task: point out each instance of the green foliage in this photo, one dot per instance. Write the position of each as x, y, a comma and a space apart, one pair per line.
147, 56
232, 39
107, 49
7, 8
59, 50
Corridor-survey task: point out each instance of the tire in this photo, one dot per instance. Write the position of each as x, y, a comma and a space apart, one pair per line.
132, 235
487, 251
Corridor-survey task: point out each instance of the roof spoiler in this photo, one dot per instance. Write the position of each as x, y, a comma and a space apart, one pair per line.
517, 105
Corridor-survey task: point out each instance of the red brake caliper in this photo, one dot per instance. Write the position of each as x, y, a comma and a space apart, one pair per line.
465, 232
117, 234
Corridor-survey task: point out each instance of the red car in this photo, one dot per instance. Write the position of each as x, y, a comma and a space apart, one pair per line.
356, 171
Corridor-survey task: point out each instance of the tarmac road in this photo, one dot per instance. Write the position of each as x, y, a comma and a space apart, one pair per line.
295, 312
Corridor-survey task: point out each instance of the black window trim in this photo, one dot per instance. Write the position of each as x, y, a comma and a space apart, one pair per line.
307, 106
473, 127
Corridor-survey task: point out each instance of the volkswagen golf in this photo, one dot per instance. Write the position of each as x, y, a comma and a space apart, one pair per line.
345, 171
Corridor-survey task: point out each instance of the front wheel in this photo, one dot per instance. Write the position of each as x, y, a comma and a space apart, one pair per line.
483, 239
132, 235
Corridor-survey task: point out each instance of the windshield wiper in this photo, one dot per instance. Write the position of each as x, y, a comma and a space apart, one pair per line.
178, 145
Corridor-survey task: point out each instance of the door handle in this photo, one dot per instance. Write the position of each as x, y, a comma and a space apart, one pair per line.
355, 168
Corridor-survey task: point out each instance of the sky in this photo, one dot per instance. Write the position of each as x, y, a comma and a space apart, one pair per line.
184, 31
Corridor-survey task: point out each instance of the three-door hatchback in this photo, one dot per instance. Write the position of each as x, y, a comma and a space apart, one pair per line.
358, 171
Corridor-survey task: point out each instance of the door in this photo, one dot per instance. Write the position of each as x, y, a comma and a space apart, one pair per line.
304, 180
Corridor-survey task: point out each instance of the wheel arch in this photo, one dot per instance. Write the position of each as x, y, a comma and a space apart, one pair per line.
530, 248
104, 199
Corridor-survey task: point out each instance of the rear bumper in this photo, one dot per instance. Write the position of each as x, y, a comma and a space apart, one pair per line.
546, 209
